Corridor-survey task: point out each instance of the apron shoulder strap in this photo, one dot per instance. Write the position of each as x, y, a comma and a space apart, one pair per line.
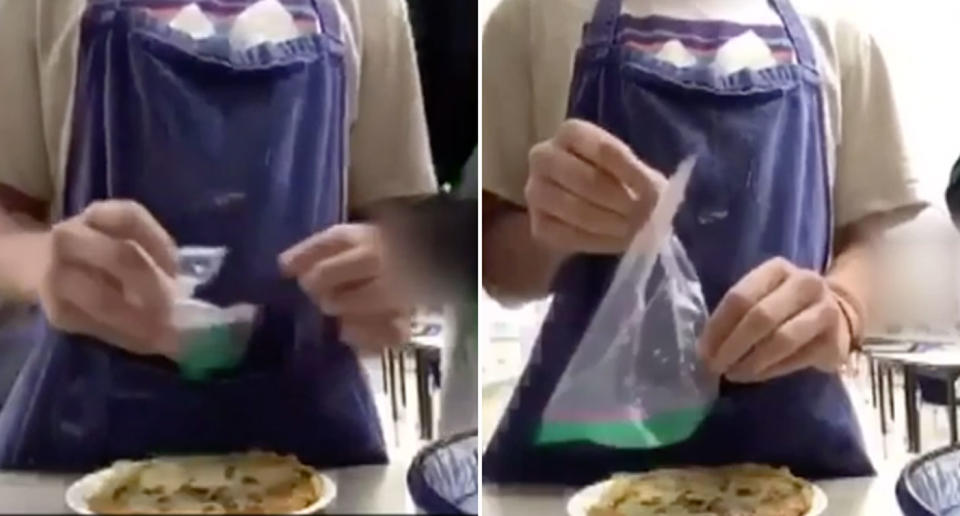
796, 32
328, 17
603, 26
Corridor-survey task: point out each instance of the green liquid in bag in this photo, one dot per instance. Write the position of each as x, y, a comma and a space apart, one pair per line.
662, 430
207, 351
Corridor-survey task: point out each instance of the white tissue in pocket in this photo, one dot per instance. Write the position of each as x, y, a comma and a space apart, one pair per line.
266, 21
676, 54
746, 51
192, 21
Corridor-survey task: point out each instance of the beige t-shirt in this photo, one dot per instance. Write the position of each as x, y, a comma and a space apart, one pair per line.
528, 53
389, 149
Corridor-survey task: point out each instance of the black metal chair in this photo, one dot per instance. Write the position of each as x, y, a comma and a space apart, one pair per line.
427, 371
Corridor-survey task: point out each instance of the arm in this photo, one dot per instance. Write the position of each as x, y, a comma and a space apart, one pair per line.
24, 246
516, 267
25, 184
852, 273
875, 190
347, 270
104, 273
580, 190
779, 318
389, 146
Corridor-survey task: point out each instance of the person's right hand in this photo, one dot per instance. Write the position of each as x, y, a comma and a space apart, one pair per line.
110, 276
587, 192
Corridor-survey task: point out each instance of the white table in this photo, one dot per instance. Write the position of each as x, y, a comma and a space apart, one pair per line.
872, 496
360, 490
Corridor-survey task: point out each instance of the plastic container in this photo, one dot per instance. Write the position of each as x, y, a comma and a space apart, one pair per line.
212, 339
443, 478
930, 484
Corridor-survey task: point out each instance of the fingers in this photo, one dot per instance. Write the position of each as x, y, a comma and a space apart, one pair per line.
587, 192
373, 296
350, 280
348, 276
797, 292
127, 220
607, 152
110, 276
124, 261
549, 162
817, 354
349, 267
777, 320
735, 305
548, 197
89, 303
557, 234
343, 271
301, 257
803, 330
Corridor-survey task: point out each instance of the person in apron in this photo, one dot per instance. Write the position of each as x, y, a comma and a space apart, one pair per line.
183, 141
757, 223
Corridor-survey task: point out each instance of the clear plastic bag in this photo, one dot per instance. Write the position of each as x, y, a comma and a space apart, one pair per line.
636, 379
211, 338
197, 266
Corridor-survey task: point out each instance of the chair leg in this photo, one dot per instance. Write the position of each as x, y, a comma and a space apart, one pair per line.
383, 367
890, 389
952, 409
428, 406
403, 378
393, 387
881, 402
423, 394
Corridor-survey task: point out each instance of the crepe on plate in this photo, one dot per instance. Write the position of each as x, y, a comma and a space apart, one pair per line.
242, 483
739, 490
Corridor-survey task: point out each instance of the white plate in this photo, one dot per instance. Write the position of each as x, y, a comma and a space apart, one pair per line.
82, 489
580, 503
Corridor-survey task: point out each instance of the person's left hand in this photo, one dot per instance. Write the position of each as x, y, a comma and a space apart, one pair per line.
777, 320
345, 272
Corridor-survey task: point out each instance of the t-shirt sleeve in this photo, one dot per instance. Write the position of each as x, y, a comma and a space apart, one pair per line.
389, 146
873, 168
23, 156
508, 125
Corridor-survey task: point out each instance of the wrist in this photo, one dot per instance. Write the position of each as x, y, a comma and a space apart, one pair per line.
24, 259
852, 312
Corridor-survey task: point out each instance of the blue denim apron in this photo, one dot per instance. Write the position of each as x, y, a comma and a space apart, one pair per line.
244, 149
760, 189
